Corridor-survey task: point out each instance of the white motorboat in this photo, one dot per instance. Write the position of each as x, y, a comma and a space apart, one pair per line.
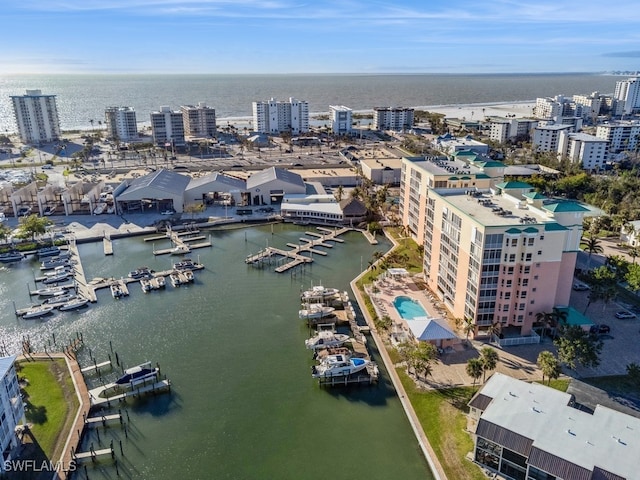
37, 312
116, 291
160, 282
138, 374
145, 284
180, 250
52, 291
318, 293
140, 272
185, 264
188, 274
58, 300
74, 304
175, 279
57, 271
340, 365
326, 339
315, 310
57, 278
55, 262
11, 257
100, 208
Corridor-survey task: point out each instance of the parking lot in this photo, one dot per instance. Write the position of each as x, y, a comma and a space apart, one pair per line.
620, 344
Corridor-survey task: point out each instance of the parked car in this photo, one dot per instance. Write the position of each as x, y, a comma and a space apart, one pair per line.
22, 211
47, 166
623, 314
167, 212
580, 286
600, 328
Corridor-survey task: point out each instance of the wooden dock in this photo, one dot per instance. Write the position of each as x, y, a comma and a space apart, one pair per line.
94, 454
103, 419
181, 241
96, 367
306, 245
82, 286
155, 387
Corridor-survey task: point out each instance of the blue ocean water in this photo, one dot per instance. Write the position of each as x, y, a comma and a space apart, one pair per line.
82, 98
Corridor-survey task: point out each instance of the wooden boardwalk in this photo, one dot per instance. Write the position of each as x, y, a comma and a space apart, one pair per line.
295, 255
82, 286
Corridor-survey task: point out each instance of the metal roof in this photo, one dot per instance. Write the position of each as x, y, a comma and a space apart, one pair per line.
170, 182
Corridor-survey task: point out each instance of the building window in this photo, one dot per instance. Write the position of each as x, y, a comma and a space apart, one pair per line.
539, 252
510, 270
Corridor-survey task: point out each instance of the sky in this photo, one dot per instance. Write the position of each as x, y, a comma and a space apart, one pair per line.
319, 36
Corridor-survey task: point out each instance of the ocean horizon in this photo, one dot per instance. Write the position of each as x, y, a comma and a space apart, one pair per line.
84, 97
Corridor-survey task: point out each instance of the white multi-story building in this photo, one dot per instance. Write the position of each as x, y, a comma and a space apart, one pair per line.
449, 144
628, 91
504, 129
341, 119
275, 117
11, 409
121, 123
622, 135
390, 118
585, 149
167, 127
546, 138
199, 121
36, 116
591, 105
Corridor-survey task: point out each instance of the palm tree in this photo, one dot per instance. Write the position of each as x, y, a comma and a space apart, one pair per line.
474, 369
549, 365
468, 326
339, 193
489, 358
592, 245
494, 329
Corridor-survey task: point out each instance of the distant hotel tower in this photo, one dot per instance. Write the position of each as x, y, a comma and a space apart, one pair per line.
200, 121
168, 128
274, 117
121, 123
628, 91
340, 119
397, 119
37, 117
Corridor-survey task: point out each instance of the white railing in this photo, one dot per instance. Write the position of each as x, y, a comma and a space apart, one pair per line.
510, 342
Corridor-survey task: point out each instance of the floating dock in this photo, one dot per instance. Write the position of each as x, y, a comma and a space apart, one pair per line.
296, 253
182, 242
107, 246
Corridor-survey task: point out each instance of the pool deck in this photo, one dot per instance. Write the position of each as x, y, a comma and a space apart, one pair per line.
450, 369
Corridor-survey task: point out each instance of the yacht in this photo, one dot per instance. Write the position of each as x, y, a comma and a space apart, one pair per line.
175, 279
315, 310
52, 291
340, 365
140, 272
57, 277
326, 339
37, 312
48, 251
188, 274
134, 375
55, 262
319, 293
160, 282
58, 300
74, 304
11, 257
57, 271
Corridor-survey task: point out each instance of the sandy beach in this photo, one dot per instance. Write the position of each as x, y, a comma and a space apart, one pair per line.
470, 111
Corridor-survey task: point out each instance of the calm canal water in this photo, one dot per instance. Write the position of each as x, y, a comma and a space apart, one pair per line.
243, 404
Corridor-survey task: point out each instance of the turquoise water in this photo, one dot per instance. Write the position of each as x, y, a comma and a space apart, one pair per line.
243, 403
408, 308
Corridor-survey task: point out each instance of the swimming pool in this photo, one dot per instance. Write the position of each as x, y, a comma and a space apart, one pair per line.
408, 308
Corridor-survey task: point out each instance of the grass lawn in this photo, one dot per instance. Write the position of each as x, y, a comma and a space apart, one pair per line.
561, 384
442, 416
50, 403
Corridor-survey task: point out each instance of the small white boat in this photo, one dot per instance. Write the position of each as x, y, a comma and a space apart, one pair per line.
188, 274
326, 339
315, 310
140, 272
175, 279
37, 312
138, 374
100, 208
318, 293
160, 282
116, 291
180, 250
52, 291
74, 304
185, 264
145, 284
340, 365
57, 271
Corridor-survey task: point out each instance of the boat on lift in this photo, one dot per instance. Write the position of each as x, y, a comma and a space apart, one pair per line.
315, 310
318, 294
341, 365
138, 374
326, 339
